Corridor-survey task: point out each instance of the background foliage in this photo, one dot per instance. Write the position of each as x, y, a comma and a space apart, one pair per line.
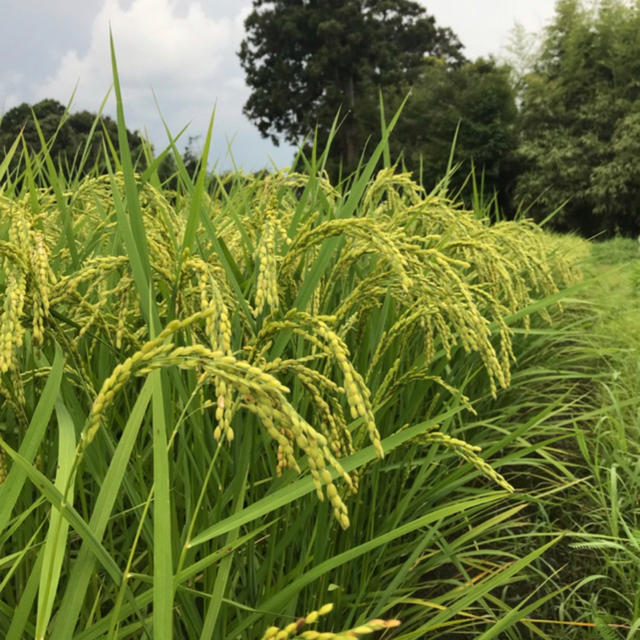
570, 108
579, 124
76, 140
307, 61
472, 104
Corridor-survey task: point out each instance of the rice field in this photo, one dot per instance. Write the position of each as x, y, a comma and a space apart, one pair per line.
274, 407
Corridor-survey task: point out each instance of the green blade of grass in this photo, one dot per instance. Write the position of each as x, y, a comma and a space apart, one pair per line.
87, 145
30, 179
134, 233
162, 527
56, 540
477, 591
183, 174
143, 283
231, 269
20, 615
196, 194
304, 486
224, 568
386, 154
58, 190
73, 599
113, 152
516, 614
6, 161
99, 629
11, 487
474, 534
57, 500
331, 245
188, 573
227, 260
276, 601
11, 563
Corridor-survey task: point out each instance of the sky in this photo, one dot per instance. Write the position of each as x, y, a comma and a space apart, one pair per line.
177, 61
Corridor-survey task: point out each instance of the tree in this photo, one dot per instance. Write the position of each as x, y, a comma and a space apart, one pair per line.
71, 137
476, 99
192, 156
580, 130
520, 54
306, 60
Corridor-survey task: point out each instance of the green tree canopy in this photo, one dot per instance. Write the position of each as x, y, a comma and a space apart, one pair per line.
71, 138
477, 100
306, 60
580, 122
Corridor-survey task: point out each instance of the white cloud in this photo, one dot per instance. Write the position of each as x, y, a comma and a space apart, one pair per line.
154, 45
10, 91
185, 56
9, 100
484, 27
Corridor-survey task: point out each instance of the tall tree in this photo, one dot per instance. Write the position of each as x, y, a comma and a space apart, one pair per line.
67, 135
476, 100
305, 60
580, 131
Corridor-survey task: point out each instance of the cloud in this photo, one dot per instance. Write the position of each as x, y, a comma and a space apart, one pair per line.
155, 45
484, 27
174, 49
10, 90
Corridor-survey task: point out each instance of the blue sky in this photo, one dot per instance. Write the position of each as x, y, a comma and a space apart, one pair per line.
184, 52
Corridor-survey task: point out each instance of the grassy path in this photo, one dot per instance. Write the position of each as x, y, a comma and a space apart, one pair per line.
603, 511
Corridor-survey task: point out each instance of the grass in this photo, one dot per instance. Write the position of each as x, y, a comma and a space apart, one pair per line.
618, 250
275, 406
610, 450
590, 369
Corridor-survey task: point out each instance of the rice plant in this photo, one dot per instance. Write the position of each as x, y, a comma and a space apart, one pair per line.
230, 403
